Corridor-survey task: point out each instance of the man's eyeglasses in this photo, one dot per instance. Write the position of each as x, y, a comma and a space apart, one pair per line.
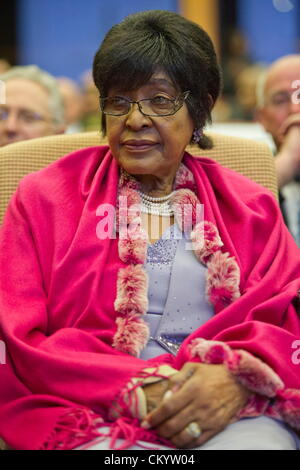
157, 106
24, 117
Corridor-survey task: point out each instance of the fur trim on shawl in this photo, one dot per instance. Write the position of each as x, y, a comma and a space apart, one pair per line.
223, 272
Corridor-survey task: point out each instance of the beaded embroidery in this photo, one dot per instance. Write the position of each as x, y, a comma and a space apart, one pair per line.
163, 250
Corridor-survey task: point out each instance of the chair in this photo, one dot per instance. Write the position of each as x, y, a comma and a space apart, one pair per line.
251, 158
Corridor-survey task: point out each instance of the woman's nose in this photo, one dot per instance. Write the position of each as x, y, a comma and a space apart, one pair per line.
135, 119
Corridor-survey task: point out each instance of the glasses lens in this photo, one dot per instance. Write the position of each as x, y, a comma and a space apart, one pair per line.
115, 105
158, 106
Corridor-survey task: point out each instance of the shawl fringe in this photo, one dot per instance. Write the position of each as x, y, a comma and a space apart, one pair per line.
127, 411
131, 433
74, 428
131, 401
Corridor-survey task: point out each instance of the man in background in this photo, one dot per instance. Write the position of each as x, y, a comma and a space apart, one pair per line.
73, 104
33, 106
91, 115
279, 112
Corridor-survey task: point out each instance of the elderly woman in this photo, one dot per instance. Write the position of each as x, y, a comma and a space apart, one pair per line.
146, 294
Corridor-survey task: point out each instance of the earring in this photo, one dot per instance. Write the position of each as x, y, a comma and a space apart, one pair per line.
197, 134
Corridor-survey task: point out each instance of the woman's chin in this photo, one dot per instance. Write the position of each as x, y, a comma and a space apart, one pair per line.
139, 169
139, 166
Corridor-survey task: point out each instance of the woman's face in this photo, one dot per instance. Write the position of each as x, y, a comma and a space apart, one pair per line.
145, 145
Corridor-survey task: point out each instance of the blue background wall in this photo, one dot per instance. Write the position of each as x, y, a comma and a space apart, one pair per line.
271, 27
62, 36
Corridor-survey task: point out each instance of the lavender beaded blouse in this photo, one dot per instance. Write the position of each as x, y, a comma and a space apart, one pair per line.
176, 294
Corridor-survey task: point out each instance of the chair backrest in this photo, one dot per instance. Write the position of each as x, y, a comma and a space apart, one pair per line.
251, 158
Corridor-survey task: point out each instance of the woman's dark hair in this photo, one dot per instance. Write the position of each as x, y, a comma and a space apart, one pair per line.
144, 42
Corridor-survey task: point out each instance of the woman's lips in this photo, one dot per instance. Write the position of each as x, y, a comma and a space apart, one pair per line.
138, 145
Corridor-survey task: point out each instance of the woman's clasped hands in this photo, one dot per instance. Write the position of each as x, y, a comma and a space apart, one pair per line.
194, 404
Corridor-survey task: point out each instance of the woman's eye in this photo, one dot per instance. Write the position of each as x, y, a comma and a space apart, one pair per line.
117, 100
160, 100
117, 103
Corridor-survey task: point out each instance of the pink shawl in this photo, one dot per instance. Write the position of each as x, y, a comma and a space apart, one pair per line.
58, 287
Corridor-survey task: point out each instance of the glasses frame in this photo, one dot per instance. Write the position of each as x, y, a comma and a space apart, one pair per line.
180, 99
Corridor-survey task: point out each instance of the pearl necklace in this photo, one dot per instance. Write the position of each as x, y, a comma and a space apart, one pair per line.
156, 205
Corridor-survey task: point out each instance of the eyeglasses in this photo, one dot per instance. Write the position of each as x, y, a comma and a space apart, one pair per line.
157, 106
25, 117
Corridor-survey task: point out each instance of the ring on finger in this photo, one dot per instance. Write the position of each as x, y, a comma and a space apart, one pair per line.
193, 429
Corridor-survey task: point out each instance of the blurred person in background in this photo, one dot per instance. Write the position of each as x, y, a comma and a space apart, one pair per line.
245, 84
4, 65
33, 105
235, 59
240, 107
278, 110
91, 119
73, 104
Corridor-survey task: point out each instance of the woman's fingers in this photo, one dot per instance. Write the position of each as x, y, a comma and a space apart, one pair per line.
187, 437
201, 395
154, 393
184, 440
181, 429
178, 422
173, 400
177, 380
200, 416
171, 405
